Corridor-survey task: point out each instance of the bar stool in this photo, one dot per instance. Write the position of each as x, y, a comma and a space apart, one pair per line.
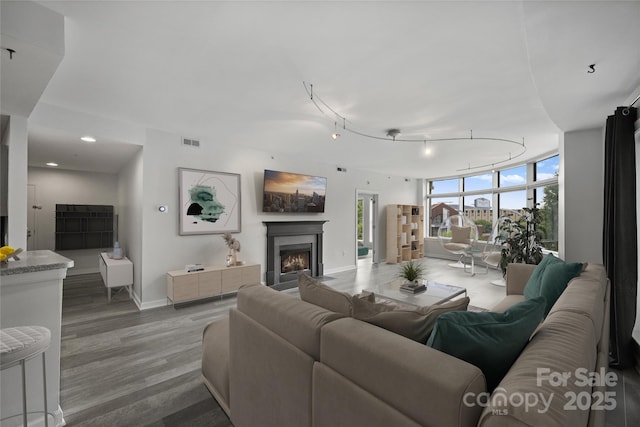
17, 345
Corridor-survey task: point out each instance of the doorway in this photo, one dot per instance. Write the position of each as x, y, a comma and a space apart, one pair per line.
32, 206
366, 228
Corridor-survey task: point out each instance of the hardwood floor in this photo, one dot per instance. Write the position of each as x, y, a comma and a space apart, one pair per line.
123, 367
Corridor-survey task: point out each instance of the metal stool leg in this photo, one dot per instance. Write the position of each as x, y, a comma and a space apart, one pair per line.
44, 382
24, 393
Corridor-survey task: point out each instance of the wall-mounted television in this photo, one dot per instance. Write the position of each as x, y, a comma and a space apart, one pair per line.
286, 192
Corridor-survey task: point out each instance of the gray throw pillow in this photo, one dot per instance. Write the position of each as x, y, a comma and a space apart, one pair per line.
414, 323
316, 292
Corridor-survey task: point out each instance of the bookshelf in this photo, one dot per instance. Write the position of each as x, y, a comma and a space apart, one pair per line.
405, 233
83, 226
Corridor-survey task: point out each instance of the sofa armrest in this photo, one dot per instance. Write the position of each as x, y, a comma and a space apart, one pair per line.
215, 361
517, 276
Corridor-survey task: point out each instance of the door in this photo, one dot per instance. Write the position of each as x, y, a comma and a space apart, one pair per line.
31, 216
366, 223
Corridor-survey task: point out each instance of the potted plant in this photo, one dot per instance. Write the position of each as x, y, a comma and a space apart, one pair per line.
411, 271
521, 241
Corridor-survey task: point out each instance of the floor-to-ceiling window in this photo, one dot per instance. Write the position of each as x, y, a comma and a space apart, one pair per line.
487, 196
546, 198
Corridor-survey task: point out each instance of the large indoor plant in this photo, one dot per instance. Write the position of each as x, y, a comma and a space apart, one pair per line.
521, 241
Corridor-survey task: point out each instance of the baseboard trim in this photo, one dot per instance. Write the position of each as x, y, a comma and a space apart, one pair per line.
340, 269
73, 271
150, 304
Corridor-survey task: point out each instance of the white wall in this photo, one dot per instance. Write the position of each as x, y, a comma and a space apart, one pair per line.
581, 184
17, 182
54, 186
130, 196
164, 249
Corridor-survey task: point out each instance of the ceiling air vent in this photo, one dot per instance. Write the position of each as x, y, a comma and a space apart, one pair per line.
190, 142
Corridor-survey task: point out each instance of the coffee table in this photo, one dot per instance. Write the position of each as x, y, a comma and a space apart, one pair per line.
436, 293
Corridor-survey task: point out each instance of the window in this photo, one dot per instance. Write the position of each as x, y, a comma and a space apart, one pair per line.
445, 186
439, 210
478, 208
532, 184
547, 168
478, 182
511, 202
515, 176
547, 201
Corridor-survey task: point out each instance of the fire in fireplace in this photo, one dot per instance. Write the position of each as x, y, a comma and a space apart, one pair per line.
294, 258
295, 262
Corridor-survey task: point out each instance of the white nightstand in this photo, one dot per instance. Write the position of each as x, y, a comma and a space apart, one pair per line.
116, 273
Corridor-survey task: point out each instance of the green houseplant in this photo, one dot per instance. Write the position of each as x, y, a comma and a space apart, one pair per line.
411, 271
521, 242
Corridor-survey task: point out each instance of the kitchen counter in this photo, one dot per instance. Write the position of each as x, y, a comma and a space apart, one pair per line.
31, 295
32, 261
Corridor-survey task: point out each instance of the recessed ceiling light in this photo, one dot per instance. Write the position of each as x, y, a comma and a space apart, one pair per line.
88, 138
52, 164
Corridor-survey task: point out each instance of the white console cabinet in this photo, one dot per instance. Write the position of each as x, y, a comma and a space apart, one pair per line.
116, 273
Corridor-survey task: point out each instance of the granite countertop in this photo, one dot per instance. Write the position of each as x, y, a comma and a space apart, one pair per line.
32, 261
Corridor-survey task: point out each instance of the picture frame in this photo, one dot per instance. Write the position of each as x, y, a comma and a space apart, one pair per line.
209, 202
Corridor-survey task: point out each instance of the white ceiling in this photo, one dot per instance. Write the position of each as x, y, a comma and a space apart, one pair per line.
233, 72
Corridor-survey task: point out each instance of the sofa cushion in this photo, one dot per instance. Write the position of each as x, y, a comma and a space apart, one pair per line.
563, 343
490, 341
554, 281
296, 321
335, 397
414, 323
270, 378
460, 234
316, 292
532, 288
426, 385
586, 296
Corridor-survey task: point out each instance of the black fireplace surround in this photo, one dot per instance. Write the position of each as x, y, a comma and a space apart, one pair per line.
287, 235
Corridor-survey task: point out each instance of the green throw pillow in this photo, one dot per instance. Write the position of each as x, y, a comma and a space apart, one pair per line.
532, 289
490, 341
555, 279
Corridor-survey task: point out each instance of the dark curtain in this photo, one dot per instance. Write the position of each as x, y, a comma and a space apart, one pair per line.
620, 233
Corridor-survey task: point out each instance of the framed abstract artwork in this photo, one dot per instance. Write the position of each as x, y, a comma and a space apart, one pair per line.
209, 202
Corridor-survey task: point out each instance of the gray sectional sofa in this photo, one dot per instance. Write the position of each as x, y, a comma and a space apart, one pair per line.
280, 361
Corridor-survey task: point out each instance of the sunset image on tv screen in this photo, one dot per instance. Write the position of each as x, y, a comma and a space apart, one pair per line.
292, 192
